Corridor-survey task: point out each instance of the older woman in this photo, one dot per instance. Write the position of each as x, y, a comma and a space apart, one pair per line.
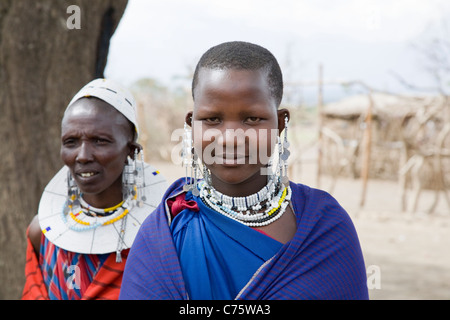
91, 210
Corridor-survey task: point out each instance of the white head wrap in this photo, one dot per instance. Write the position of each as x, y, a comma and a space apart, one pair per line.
112, 93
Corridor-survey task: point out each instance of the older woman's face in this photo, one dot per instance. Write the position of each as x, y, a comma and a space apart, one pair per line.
95, 143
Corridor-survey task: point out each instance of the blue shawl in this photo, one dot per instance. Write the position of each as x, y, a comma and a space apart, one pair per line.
322, 261
218, 255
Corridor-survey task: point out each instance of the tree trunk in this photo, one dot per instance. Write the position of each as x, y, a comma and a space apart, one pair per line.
43, 63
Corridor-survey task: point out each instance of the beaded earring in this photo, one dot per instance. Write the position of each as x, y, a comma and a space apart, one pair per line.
133, 183
190, 162
133, 180
206, 175
73, 193
284, 153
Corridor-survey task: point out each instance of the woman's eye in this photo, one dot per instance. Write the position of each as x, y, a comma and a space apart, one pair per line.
253, 119
100, 141
213, 120
68, 142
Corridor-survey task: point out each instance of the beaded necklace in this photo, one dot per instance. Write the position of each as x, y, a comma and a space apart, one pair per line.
88, 217
95, 212
256, 210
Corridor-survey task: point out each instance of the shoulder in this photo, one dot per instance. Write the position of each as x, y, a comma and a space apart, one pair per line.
311, 204
154, 177
326, 232
313, 197
174, 189
160, 213
35, 234
322, 220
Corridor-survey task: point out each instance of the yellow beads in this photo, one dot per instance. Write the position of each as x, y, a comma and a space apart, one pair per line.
78, 220
74, 217
113, 208
116, 218
279, 202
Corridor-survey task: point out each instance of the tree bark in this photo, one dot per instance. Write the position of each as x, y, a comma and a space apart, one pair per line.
43, 64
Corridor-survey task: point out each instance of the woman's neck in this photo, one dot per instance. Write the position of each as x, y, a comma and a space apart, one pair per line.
101, 202
106, 198
242, 189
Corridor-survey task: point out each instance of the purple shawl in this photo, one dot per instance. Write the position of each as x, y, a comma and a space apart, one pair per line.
322, 261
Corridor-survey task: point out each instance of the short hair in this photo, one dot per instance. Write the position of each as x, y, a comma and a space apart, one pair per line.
244, 56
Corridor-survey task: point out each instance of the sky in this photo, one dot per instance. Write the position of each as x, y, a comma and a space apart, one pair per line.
365, 40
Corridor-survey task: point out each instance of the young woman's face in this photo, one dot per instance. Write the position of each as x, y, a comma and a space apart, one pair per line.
235, 123
95, 143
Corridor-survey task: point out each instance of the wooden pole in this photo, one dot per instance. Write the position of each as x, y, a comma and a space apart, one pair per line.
320, 125
367, 145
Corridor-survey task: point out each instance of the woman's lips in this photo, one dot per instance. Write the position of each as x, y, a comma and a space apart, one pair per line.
86, 176
231, 159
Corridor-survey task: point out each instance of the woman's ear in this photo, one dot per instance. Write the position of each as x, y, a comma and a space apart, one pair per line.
188, 118
133, 147
282, 114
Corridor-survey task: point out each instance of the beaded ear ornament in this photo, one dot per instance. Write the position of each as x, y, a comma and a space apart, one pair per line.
190, 162
284, 153
133, 181
79, 216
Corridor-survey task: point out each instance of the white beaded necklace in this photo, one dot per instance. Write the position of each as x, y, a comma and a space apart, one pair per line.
243, 203
273, 199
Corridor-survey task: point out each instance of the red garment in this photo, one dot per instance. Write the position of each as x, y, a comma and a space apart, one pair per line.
179, 203
34, 284
105, 285
107, 282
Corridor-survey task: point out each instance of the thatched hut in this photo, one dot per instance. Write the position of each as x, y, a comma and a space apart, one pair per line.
395, 123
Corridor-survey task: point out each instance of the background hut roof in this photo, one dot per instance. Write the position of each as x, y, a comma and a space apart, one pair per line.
383, 105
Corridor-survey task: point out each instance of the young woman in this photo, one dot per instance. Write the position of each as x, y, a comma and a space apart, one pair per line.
91, 210
244, 231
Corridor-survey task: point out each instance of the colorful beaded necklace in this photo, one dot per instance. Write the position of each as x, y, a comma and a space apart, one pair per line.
88, 217
256, 210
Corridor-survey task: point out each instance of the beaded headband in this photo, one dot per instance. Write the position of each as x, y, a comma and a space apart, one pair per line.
112, 93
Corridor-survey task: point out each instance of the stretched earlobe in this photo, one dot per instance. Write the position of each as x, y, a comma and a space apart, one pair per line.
188, 118
282, 115
133, 147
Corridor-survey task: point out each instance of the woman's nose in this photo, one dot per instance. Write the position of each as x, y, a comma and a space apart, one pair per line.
85, 153
233, 136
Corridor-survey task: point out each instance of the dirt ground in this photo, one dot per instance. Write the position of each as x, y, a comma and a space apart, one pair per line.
407, 255
409, 250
